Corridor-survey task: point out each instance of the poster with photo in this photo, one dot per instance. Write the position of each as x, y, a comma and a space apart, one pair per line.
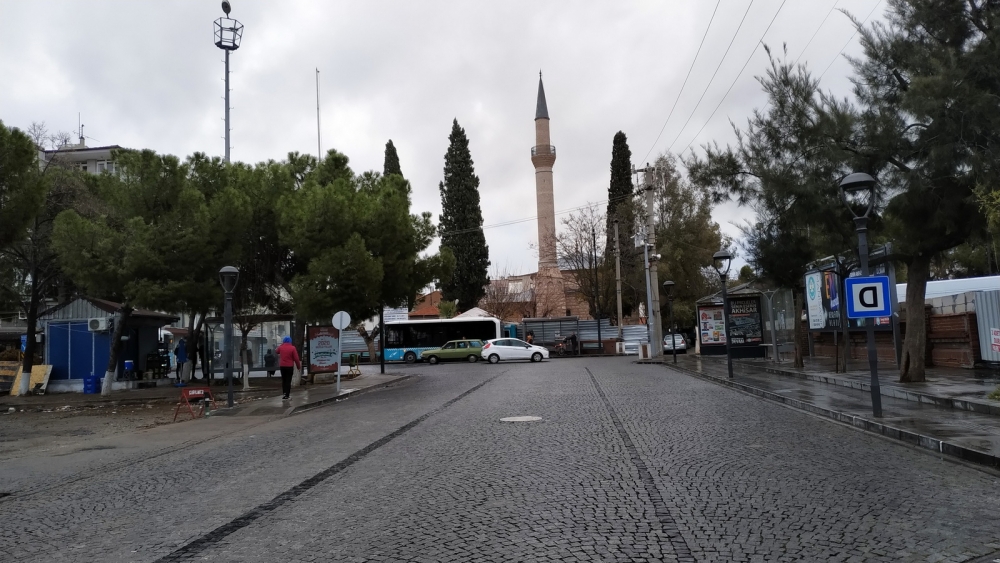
324, 349
747, 325
711, 325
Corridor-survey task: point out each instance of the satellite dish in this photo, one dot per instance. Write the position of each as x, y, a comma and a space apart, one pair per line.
226, 7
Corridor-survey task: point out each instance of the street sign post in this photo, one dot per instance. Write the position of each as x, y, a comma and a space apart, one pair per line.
868, 297
341, 320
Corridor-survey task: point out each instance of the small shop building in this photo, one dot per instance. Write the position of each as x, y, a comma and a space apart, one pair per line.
77, 343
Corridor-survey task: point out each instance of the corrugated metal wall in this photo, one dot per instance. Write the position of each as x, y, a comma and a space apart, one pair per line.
77, 309
987, 318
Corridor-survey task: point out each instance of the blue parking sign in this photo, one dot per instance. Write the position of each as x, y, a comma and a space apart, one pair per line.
24, 342
868, 297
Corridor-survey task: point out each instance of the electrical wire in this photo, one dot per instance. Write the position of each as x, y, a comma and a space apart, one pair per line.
759, 43
821, 24
877, 4
679, 92
709, 85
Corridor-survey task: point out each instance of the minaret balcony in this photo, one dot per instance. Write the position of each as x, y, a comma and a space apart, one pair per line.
543, 150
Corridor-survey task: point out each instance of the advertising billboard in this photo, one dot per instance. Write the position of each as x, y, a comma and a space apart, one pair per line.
324, 349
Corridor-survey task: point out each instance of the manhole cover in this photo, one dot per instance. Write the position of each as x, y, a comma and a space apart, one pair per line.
521, 419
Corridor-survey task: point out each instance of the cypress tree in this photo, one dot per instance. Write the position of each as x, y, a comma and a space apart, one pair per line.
461, 224
391, 163
620, 192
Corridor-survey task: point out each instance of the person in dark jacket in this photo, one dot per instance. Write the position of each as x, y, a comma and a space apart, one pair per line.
288, 360
270, 362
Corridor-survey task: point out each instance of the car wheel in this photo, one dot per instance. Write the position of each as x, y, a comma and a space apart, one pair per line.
432, 360
410, 357
536, 357
494, 358
473, 359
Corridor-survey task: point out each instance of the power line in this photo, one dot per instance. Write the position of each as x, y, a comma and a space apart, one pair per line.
877, 4
679, 92
759, 42
709, 85
821, 24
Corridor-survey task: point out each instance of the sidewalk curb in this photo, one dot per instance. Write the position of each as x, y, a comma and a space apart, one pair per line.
886, 390
348, 394
912, 438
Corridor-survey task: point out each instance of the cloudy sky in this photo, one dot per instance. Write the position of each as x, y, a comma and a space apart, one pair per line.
148, 75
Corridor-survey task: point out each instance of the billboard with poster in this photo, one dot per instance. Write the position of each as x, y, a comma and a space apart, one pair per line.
824, 303
747, 326
711, 325
324, 349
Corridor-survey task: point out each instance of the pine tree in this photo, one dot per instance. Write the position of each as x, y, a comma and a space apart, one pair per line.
391, 164
461, 224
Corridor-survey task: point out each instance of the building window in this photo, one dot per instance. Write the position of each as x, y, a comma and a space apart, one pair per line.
83, 167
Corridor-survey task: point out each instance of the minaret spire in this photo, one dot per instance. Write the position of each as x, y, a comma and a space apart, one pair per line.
550, 293
541, 109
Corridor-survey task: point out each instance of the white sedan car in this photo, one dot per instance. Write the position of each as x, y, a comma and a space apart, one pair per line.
512, 349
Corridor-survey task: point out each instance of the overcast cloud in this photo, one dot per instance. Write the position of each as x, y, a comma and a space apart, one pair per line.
148, 75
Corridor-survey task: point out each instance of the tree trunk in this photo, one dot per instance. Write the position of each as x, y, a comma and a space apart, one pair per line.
911, 368
116, 347
369, 338
797, 323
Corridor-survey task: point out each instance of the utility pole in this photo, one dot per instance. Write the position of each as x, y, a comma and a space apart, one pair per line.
319, 135
597, 291
656, 328
618, 280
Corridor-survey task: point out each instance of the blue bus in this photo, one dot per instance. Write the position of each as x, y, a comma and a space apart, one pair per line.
405, 340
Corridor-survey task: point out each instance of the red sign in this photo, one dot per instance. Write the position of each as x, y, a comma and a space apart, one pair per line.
995, 339
189, 394
324, 349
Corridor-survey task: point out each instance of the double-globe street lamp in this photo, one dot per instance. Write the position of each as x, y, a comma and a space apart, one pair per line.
722, 261
668, 287
858, 190
228, 276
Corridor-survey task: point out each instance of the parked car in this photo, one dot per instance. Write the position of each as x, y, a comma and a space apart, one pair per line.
468, 350
678, 340
507, 349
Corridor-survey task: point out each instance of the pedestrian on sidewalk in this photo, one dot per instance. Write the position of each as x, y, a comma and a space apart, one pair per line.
270, 362
180, 352
288, 359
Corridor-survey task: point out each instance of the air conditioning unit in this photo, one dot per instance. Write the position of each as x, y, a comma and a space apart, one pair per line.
99, 324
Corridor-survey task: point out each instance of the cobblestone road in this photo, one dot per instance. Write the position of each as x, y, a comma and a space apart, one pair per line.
630, 463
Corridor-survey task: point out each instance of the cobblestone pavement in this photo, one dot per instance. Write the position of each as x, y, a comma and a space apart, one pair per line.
629, 463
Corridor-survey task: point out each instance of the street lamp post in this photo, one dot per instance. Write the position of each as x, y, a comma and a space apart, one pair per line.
769, 294
228, 33
859, 188
721, 261
668, 287
228, 276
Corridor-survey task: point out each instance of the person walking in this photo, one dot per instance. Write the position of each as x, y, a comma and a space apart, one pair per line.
288, 359
180, 352
270, 362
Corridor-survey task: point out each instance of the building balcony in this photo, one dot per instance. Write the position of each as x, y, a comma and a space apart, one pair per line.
543, 150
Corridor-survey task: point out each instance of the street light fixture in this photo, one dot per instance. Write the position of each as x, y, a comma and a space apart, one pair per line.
668, 287
857, 190
722, 261
228, 33
229, 276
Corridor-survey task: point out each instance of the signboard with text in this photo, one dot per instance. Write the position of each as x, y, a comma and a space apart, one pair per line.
746, 323
711, 325
324, 349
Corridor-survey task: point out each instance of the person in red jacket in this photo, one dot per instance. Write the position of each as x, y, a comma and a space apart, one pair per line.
288, 359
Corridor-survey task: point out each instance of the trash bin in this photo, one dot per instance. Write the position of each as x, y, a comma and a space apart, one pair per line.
129, 365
